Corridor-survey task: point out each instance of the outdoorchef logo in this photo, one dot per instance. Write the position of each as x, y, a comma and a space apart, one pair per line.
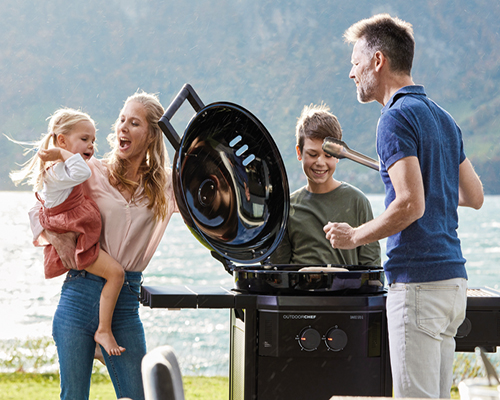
299, 316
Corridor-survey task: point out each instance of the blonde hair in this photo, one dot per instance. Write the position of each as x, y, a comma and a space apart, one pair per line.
154, 171
316, 122
60, 123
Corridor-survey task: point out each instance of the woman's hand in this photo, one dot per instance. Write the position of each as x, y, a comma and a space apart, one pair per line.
65, 245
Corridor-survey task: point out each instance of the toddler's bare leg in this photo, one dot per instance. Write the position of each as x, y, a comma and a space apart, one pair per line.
98, 354
108, 268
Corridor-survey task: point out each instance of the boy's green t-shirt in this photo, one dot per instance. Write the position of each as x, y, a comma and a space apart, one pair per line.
305, 242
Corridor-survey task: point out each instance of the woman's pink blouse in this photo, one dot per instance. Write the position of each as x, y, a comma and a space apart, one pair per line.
130, 234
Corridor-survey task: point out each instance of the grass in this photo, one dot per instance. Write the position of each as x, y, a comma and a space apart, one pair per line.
39, 354
18, 385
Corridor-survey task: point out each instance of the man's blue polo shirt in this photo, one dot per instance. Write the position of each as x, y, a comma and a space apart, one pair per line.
413, 125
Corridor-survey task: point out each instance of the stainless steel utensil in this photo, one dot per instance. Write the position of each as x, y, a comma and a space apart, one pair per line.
339, 149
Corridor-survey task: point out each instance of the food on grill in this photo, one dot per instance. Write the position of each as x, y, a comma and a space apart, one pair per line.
323, 269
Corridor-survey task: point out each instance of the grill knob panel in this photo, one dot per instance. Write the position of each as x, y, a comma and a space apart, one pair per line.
309, 339
335, 339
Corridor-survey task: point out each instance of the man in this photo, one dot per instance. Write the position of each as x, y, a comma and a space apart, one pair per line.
427, 176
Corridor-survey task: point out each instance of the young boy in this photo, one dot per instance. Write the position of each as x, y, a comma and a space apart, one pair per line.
322, 200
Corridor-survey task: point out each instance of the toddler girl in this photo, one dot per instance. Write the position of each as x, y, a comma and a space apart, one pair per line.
57, 172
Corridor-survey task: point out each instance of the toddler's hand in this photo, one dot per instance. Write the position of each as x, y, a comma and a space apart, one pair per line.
53, 154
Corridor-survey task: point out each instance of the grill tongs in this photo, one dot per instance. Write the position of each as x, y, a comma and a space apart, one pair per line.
337, 148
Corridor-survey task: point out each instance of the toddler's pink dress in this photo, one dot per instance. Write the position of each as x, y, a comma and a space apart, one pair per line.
79, 214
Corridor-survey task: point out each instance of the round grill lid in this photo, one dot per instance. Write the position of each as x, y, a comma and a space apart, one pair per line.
230, 183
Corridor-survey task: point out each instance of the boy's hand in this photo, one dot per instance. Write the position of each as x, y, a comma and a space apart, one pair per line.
54, 154
340, 235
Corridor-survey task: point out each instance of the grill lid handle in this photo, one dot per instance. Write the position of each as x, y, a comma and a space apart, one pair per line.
187, 92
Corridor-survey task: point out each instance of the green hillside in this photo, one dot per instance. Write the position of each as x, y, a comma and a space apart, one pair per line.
272, 57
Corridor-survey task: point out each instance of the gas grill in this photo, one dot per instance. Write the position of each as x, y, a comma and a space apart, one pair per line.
295, 334
284, 347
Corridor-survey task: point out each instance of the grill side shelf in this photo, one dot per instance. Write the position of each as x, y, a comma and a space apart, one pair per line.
178, 296
482, 321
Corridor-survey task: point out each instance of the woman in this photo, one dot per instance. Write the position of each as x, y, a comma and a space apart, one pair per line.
133, 190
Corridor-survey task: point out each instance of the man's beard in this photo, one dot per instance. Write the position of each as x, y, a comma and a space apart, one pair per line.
367, 87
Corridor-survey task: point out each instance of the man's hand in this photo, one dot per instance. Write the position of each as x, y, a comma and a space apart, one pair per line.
406, 208
340, 235
65, 244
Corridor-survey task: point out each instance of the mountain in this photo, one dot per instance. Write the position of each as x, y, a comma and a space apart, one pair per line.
271, 57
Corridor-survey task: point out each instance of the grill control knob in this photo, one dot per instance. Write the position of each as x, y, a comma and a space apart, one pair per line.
336, 339
309, 339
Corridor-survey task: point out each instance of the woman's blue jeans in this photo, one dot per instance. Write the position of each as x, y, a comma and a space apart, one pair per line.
75, 323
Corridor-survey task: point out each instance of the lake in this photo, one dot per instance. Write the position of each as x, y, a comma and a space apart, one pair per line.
200, 337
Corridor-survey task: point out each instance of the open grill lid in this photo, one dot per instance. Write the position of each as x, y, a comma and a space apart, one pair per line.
232, 192
229, 180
